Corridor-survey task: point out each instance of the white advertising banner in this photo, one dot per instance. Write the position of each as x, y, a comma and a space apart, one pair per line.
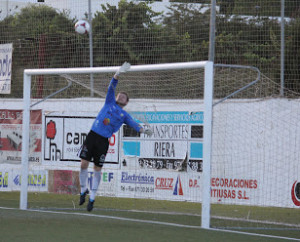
5, 179
160, 184
37, 180
136, 183
108, 183
233, 189
5, 68
66, 133
176, 143
10, 179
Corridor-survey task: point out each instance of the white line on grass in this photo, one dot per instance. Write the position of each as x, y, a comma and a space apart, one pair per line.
152, 222
296, 226
215, 217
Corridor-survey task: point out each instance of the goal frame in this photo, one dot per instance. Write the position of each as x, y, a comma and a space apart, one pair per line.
208, 105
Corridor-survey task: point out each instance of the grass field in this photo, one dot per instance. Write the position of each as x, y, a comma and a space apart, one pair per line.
55, 217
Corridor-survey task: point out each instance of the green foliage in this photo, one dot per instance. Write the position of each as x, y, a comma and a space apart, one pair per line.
131, 31
35, 20
292, 56
255, 43
123, 32
226, 6
186, 30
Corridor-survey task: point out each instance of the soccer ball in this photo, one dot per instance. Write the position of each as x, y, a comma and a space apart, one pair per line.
82, 27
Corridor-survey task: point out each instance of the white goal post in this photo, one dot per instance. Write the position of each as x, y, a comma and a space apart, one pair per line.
207, 132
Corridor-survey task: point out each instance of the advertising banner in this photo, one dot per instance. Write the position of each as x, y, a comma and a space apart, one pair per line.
11, 136
65, 134
108, 183
176, 143
64, 181
160, 184
295, 193
37, 180
5, 68
238, 190
5, 179
136, 184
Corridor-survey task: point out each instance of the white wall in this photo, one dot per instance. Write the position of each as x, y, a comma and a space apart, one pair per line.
255, 149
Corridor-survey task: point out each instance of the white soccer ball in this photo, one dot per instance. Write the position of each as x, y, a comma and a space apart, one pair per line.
82, 27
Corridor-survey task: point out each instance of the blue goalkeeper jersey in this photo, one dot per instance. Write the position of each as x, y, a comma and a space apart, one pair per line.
112, 116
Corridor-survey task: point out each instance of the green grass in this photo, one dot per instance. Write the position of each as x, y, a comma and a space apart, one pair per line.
71, 223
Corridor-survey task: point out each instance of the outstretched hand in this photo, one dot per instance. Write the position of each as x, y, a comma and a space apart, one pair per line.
148, 132
123, 69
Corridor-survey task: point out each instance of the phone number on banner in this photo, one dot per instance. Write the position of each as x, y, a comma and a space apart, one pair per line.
142, 189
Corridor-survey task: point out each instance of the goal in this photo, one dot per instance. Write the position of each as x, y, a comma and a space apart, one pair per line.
224, 148
168, 98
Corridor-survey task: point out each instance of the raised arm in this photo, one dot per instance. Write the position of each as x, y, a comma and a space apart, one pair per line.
110, 96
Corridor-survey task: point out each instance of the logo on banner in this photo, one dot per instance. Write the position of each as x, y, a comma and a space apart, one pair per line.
17, 180
296, 193
137, 178
54, 152
34, 180
51, 129
3, 179
164, 183
178, 188
106, 177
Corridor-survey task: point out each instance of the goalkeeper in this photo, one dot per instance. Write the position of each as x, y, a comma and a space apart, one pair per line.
108, 121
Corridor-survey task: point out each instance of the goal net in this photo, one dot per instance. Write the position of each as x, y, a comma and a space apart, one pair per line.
255, 158
223, 155
167, 98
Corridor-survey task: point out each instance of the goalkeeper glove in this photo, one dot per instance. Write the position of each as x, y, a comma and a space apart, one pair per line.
124, 68
148, 132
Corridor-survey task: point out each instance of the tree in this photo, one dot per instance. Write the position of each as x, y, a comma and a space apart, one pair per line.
127, 32
41, 39
226, 6
292, 56
186, 33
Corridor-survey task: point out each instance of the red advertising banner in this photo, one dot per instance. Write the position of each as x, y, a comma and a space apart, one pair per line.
8, 116
11, 136
64, 181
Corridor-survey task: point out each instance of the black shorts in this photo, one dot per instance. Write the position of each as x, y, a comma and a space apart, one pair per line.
94, 148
